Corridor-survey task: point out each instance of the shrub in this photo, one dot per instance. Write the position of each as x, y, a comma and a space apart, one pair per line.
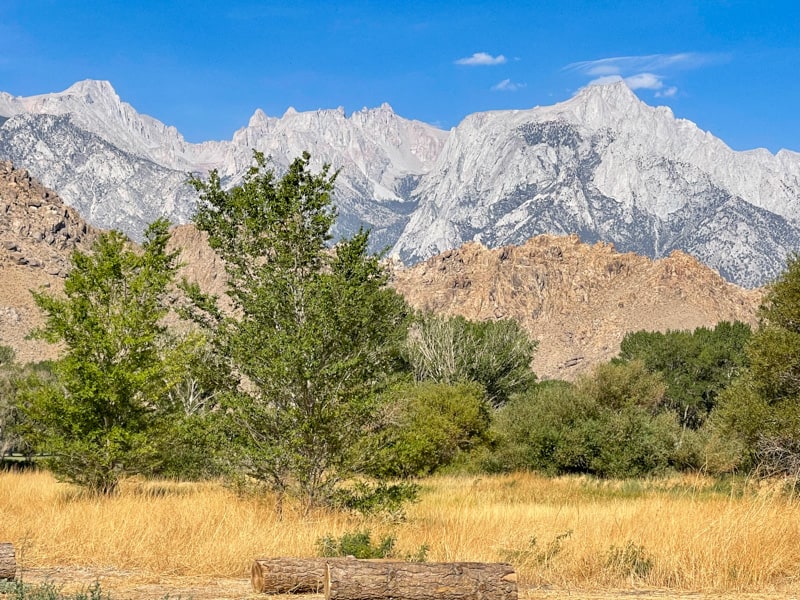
605, 430
425, 426
358, 544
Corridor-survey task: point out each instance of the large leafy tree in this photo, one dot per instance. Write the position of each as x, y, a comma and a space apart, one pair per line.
760, 413
696, 365
119, 365
495, 354
313, 330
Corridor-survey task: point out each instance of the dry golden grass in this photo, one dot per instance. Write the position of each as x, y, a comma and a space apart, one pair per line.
681, 533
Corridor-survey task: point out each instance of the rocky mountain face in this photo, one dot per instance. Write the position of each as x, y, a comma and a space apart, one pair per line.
602, 165
578, 300
606, 166
37, 235
122, 169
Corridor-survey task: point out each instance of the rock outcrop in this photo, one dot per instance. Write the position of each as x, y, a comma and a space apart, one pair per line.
37, 235
577, 300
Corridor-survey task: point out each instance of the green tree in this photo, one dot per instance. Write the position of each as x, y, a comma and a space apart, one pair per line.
759, 414
604, 424
112, 384
424, 426
495, 354
313, 333
696, 366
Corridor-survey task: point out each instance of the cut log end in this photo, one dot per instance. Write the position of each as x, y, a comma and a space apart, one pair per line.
290, 575
257, 577
8, 565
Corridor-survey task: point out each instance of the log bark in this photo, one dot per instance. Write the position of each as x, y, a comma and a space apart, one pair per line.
8, 565
290, 575
365, 580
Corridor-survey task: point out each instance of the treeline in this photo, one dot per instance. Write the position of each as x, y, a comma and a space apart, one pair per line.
313, 378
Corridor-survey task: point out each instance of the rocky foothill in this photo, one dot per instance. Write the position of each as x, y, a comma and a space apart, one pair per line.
37, 229
37, 235
578, 300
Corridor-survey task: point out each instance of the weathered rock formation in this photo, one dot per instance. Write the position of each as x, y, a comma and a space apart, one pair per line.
37, 235
578, 300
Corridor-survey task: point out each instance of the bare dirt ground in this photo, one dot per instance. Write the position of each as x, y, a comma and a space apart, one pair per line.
123, 585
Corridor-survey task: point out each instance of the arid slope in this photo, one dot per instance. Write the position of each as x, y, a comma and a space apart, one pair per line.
578, 300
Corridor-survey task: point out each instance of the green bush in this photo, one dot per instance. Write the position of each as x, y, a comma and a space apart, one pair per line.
604, 425
380, 498
358, 544
425, 426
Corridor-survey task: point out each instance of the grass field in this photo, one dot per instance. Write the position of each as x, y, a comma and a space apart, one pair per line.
683, 533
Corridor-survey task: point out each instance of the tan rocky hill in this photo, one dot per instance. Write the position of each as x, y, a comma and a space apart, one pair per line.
37, 235
578, 300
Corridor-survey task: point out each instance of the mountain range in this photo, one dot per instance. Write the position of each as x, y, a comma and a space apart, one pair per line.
602, 165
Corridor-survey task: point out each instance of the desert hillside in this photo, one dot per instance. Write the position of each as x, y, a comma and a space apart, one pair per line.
37, 234
578, 300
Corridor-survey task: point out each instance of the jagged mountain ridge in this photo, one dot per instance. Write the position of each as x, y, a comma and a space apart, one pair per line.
608, 167
603, 165
123, 169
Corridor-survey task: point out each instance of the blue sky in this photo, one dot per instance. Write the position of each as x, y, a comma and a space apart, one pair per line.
733, 67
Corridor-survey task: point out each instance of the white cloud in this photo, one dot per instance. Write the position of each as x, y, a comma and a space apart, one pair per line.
646, 81
507, 86
604, 70
667, 93
647, 72
646, 63
605, 79
481, 59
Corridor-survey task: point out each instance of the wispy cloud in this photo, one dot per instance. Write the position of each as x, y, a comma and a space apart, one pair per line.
646, 81
667, 92
648, 72
507, 86
648, 63
481, 59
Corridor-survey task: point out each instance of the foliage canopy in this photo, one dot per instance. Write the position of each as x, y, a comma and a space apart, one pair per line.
120, 363
314, 331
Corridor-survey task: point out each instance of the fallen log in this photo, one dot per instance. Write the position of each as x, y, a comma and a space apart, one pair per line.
365, 580
8, 565
290, 575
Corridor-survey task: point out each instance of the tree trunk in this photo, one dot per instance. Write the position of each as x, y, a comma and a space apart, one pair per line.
290, 575
365, 580
8, 566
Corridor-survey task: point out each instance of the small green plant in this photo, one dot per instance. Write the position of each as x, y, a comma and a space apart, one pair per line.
17, 590
533, 553
420, 556
358, 544
631, 560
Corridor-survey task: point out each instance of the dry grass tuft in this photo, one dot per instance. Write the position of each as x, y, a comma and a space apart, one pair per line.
685, 533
